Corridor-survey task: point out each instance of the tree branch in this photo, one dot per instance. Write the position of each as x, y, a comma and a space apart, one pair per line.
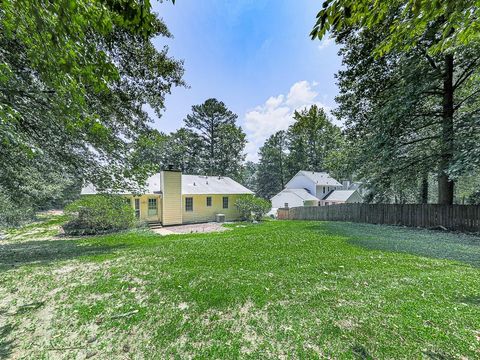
466, 74
466, 99
419, 140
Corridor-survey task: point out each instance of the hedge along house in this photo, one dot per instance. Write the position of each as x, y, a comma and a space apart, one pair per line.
172, 198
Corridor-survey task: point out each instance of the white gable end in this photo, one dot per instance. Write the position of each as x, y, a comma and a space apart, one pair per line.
301, 182
316, 183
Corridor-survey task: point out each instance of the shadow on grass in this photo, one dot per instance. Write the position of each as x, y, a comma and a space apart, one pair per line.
6, 346
472, 300
428, 243
14, 255
361, 353
437, 356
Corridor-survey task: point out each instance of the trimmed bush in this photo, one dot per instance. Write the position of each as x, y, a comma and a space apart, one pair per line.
252, 208
99, 214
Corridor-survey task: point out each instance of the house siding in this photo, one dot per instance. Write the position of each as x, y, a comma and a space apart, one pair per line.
279, 200
167, 188
171, 184
144, 206
301, 182
321, 194
203, 213
355, 198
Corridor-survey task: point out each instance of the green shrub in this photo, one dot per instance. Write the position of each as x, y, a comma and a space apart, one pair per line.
474, 199
12, 213
99, 214
252, 208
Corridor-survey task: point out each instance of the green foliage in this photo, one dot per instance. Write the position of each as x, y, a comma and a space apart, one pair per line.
210, 143
221, 142
148, 151
98, 214
29, 185
252, 208
249, 175
183, 150
312, 143
76, 79
12, 214
312, 138
474, 198
273, 166
413, 110
458, 20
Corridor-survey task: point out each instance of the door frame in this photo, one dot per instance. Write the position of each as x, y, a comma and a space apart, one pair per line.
156, 216
138, 211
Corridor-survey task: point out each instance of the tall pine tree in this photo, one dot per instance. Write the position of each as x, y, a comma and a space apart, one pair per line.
222, 141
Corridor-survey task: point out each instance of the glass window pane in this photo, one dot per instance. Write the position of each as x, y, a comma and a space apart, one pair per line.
137, 208
152, 207
188, 204
225, 202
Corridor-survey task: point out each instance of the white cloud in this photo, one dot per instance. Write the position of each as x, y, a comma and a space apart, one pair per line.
301, 93
277, 114
325, 43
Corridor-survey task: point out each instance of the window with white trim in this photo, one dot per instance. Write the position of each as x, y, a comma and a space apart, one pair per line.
152, 207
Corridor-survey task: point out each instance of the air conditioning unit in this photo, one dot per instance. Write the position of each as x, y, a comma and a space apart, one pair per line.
220, 218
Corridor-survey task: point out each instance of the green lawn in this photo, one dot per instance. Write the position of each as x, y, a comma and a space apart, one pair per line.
270, 290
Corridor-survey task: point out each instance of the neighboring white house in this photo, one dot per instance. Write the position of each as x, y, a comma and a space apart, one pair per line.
294, 198
309, 188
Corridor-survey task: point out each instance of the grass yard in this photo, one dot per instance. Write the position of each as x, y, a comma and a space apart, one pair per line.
270, 290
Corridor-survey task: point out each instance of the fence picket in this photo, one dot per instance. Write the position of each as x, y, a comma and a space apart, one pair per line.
456, 217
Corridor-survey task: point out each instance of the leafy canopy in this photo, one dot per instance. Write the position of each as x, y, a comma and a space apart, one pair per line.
76, 78
458, 20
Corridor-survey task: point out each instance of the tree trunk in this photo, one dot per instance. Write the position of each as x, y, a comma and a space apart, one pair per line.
212, 148
424, 188
445, 185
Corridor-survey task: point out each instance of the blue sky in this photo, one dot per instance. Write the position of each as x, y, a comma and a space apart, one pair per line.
254, 55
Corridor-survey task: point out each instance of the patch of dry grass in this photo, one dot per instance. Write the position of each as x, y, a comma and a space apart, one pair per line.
271, 290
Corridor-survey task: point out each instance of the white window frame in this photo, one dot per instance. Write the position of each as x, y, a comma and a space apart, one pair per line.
151, 210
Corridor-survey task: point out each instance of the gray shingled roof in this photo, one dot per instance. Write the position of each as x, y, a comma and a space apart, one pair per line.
191, 185
196, 184
319, 178
301, 193
339, 195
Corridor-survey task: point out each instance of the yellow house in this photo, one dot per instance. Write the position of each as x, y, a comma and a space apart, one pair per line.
171, 198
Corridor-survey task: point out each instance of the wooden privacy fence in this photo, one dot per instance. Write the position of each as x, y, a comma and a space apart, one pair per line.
453, 217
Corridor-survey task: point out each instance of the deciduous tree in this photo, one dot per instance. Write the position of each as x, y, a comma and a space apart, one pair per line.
428, 54
75, 77
272, 172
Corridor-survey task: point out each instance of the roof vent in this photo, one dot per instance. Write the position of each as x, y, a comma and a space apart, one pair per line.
194, 184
